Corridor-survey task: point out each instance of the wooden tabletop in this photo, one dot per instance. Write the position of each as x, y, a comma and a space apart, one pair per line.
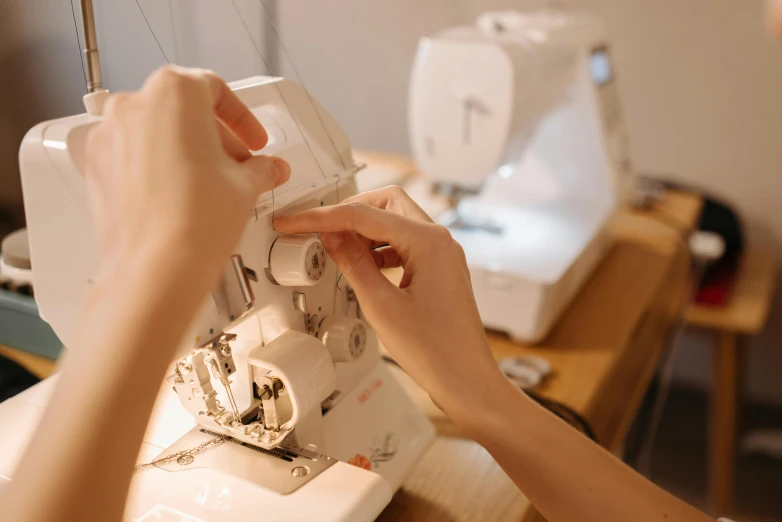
39, 366
749, 303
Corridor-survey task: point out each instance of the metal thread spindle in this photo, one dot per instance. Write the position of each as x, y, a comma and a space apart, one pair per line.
94, 80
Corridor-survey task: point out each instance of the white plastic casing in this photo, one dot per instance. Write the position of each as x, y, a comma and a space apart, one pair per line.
297, 261
519, 116
372, 406
345, 337
307, 385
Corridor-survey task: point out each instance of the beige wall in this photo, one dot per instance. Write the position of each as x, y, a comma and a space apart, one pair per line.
40, 77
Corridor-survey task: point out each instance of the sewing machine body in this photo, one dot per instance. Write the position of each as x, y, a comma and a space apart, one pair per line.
517, 120
279, 361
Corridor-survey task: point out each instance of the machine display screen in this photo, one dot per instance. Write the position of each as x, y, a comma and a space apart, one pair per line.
600, 64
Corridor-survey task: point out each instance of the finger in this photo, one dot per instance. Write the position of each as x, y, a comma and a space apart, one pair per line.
358, 266
386, 257
235, 114
394, 199
774, 18
117, 105
227, 106
233, 147
370, 222
266, 172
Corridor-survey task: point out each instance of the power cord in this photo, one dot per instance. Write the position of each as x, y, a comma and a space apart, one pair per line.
566, 413
705, 248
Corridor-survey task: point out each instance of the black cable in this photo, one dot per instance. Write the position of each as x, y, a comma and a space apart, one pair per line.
78, 44
153, 33
564, 412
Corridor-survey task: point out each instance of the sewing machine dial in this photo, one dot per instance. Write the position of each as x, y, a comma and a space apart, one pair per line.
297, 261
345, 337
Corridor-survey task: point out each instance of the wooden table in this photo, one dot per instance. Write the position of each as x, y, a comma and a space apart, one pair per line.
604, 352
39, 366
745, 314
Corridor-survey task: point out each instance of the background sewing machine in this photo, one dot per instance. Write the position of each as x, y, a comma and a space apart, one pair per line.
279, 378
517, 120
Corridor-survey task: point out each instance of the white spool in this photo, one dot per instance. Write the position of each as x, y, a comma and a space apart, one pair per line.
304, 366
297, 260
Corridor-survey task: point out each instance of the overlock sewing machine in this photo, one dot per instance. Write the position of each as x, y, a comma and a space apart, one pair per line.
517, 120
279, 402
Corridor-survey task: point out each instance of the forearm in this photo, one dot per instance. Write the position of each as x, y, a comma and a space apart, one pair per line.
107, 389
564, 474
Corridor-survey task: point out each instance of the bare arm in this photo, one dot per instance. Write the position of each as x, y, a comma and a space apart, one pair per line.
80, 462
163, 168
431, 326
564, 474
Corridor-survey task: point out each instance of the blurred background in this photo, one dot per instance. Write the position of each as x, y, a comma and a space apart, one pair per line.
700, 81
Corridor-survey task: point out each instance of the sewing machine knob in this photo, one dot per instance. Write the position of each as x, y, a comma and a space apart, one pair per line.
345, 337
297, 260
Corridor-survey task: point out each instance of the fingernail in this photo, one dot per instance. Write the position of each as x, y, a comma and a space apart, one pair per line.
282, 171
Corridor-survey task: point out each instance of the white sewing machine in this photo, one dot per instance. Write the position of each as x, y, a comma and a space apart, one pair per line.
279, 361
517, 120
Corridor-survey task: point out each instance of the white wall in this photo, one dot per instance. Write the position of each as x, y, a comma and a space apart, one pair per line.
200, 33
701, 82
355, 57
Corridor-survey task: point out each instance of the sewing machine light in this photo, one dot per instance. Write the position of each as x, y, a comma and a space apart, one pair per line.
505, 171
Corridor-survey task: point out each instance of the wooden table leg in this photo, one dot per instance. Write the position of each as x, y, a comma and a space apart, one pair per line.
723, 423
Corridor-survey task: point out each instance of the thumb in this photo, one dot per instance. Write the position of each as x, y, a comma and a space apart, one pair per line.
356, 263
266, 172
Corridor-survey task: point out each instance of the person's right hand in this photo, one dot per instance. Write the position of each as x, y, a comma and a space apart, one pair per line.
430, 323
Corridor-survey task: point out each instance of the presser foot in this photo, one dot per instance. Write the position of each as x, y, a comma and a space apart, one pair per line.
281, 470
254, 433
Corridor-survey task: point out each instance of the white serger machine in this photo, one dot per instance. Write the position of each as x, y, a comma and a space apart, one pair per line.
279, 405
517, 120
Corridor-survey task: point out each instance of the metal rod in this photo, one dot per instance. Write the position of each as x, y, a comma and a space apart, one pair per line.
94, 80
271, 42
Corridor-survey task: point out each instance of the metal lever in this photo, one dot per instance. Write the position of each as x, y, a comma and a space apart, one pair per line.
244, 285
269, 395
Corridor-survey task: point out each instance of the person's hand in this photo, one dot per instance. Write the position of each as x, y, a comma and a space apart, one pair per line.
430, 323
169, 173
774, 18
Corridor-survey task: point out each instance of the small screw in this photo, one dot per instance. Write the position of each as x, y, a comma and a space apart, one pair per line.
225, 350
300, 471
